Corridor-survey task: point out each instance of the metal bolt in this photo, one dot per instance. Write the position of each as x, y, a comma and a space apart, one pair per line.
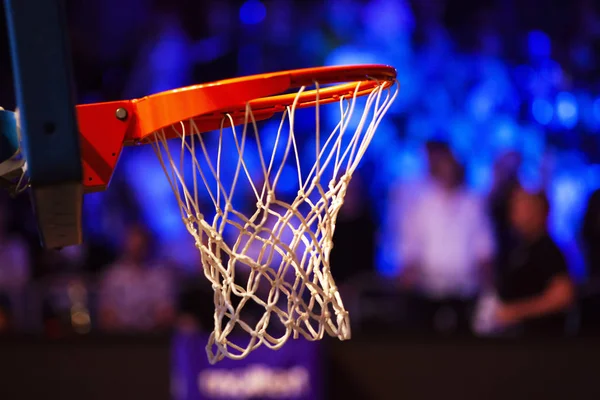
121, 114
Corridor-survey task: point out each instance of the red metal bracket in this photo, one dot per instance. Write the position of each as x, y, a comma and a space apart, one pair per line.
102, 128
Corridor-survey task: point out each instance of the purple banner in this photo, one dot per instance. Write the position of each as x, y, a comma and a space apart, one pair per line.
291, 372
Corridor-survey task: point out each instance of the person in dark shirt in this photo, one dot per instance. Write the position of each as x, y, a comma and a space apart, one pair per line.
535, 289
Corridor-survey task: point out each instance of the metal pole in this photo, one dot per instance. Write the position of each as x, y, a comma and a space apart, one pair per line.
41, 63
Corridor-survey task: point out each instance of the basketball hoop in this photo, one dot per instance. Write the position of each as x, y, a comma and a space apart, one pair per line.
275, 255
284, 244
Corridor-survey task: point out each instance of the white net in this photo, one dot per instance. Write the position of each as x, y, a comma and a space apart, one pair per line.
266, 248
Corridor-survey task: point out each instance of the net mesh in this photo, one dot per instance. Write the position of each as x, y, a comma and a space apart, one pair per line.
265, 250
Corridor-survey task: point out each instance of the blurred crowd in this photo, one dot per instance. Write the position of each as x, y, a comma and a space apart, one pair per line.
476, 209
479, 263
467, 263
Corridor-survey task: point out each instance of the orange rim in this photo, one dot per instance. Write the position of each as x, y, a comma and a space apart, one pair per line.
103, 134
265, 93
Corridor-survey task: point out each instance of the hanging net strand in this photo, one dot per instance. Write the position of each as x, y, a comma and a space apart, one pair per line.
275, 257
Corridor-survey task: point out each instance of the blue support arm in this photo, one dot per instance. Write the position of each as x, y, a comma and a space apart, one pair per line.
45, 100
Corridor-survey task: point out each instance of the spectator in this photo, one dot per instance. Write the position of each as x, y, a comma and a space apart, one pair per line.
446, 243
535, 290
136, 294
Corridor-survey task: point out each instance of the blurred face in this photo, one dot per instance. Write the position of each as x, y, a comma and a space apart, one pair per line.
527, 213
443, 168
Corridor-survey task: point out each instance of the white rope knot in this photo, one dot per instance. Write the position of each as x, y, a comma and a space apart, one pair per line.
275, 257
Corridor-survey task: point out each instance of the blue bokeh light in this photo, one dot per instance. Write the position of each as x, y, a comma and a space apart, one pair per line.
479, 176
542, 111
567, 195
252, 12
566, 109
504, 134
538, 44
350, 55
388, 19
480, 105
408, 162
